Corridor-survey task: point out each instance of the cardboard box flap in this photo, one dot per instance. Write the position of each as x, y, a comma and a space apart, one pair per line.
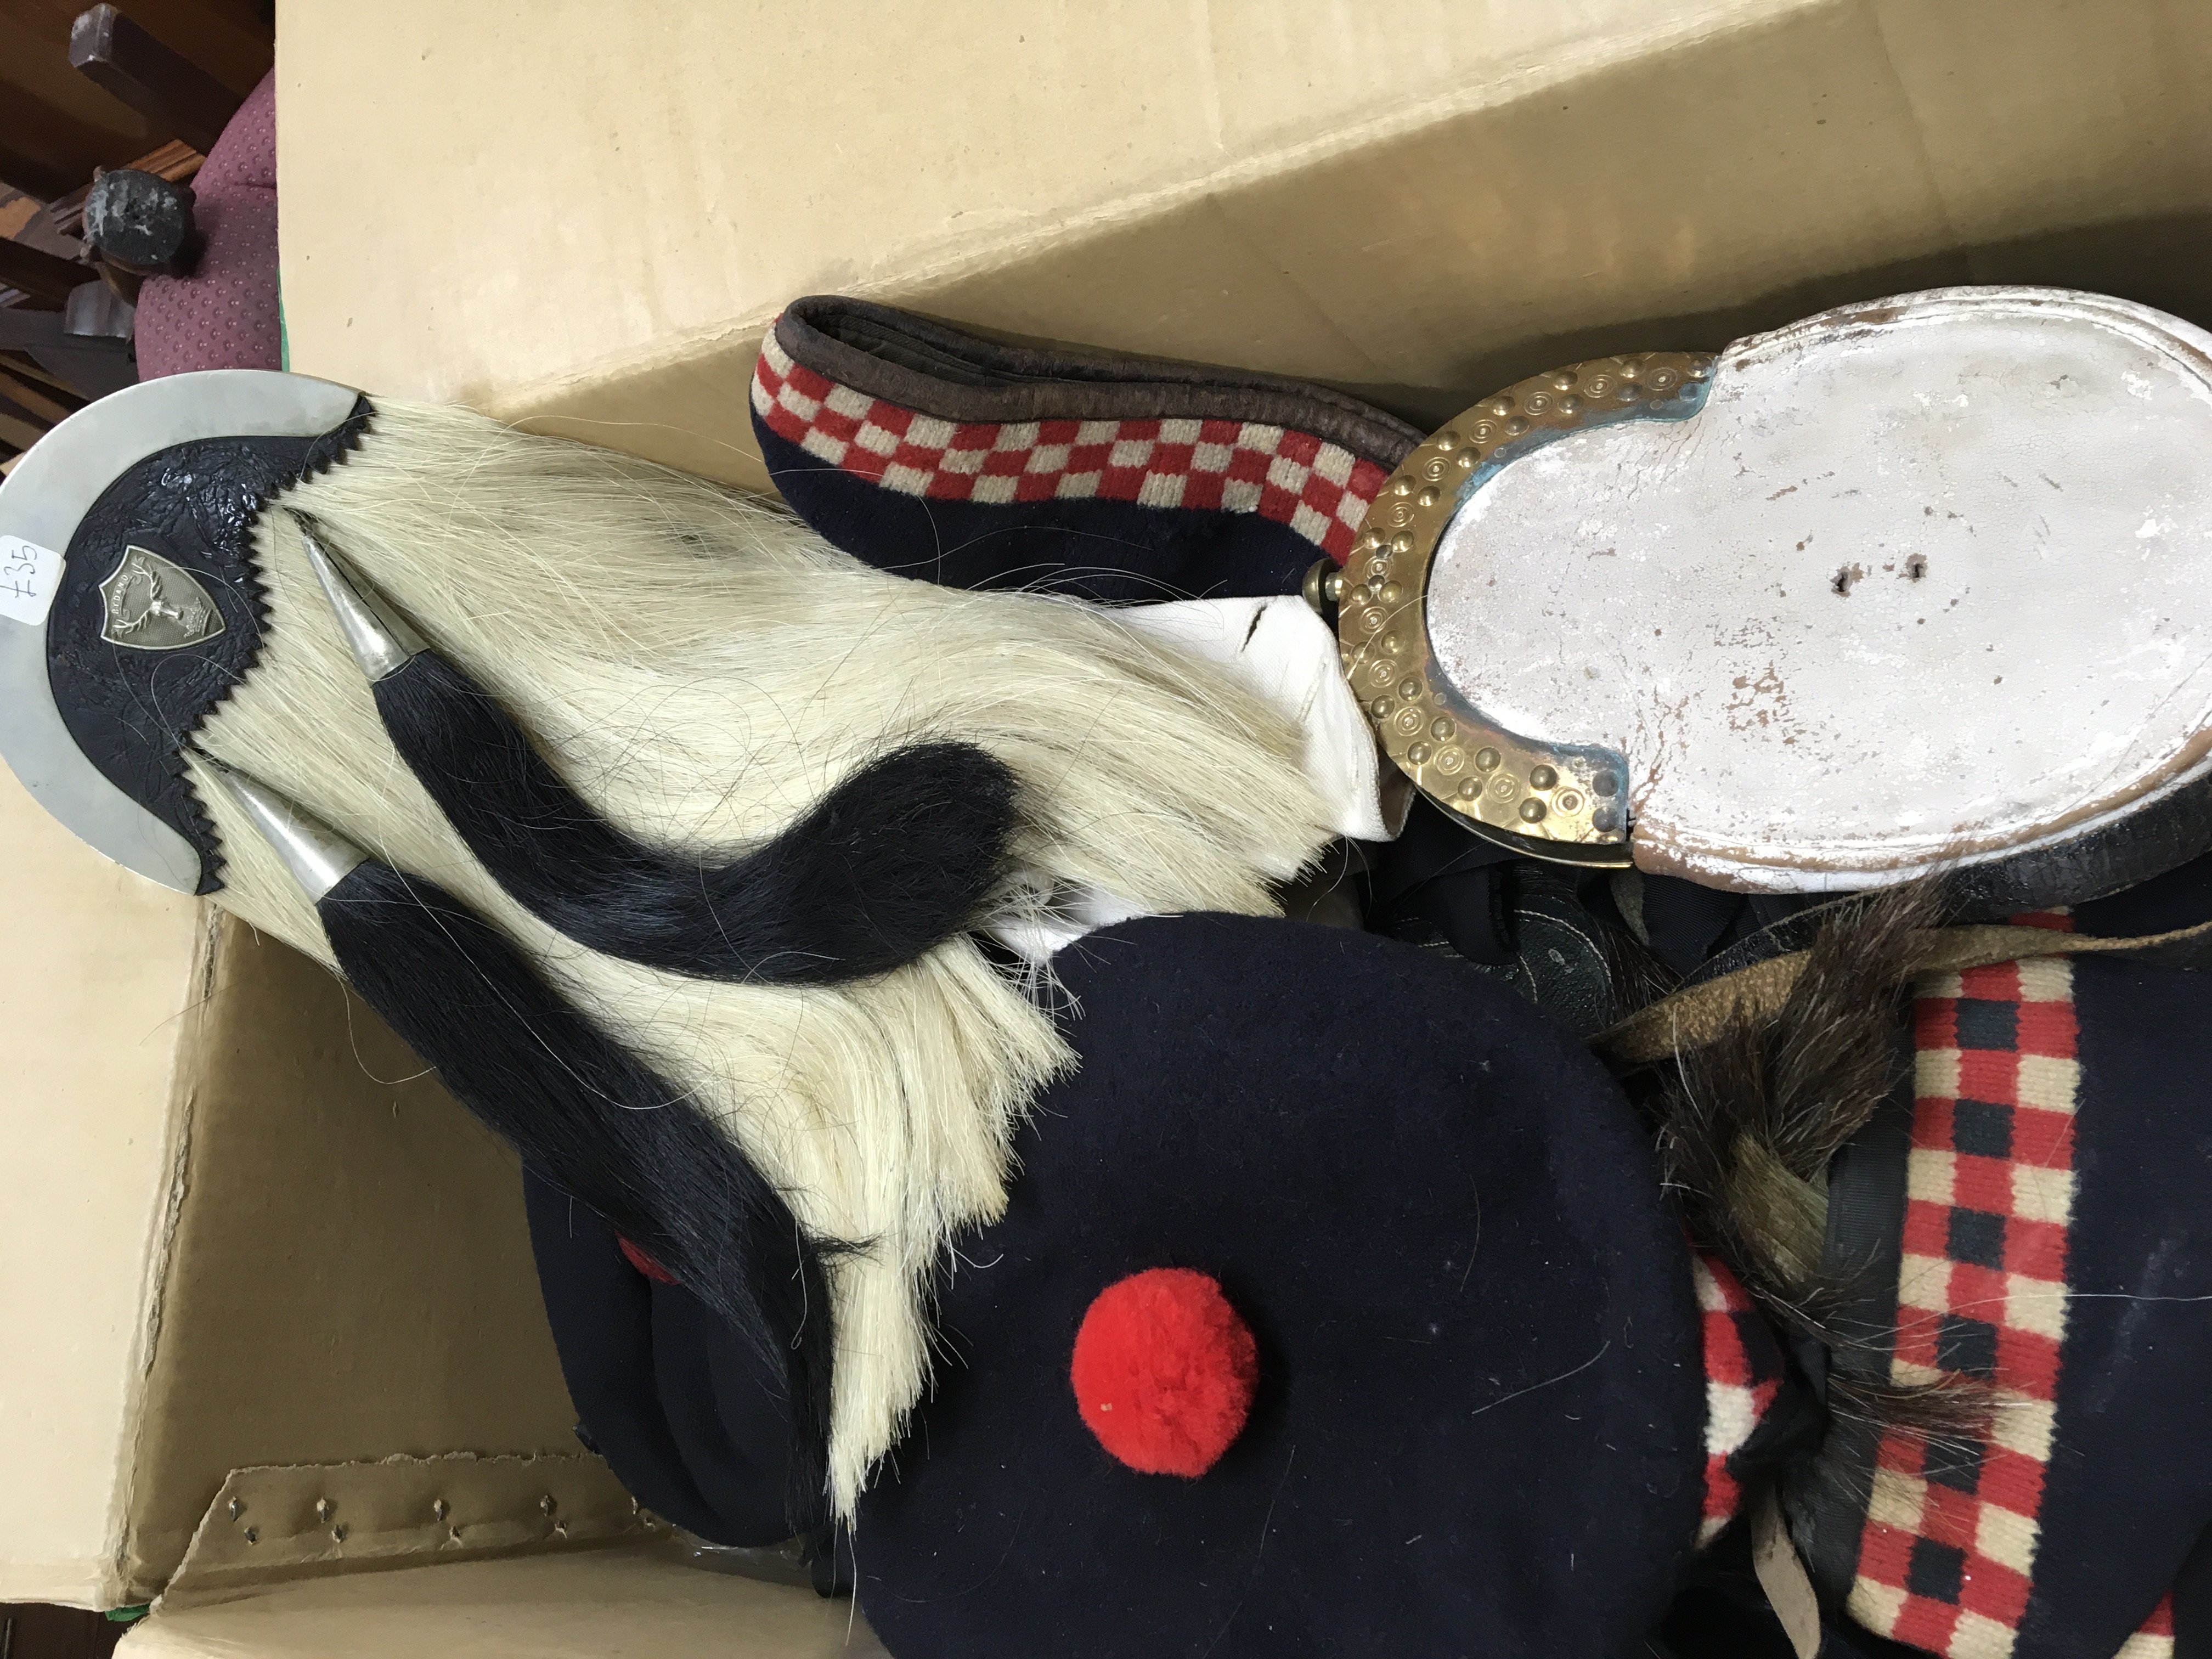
102, 968
613, 1603
303, 1520
243, 1226
1419, 208
350, 1276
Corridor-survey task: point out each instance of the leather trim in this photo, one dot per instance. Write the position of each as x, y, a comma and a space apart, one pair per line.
936, 370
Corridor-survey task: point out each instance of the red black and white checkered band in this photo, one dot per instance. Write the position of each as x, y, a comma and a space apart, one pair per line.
1743, 1375
1948, 1552
1318, 489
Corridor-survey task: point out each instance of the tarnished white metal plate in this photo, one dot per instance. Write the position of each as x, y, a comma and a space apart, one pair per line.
1923, 581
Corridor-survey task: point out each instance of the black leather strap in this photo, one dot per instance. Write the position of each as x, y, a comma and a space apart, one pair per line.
1861, 1250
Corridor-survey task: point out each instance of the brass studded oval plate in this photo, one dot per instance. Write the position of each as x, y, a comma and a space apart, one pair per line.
1921, 583
1565, 801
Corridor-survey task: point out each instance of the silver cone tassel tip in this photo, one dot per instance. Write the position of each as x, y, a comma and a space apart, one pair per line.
317, 855
380, 638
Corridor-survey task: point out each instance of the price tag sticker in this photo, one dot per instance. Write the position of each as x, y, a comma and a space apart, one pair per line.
29, 575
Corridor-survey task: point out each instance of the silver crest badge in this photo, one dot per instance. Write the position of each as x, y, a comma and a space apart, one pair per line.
154, 604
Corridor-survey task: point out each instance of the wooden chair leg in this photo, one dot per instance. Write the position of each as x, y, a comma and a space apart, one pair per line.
175, 93
46, 278
31, 175
90, 366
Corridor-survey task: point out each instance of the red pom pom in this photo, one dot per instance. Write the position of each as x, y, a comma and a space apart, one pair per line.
1164, 1371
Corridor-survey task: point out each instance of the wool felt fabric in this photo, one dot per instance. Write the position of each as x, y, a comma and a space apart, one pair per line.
934, 453
690, 1421
1480, 1413
2120, 1503
2048, 1201
2128, 1495
601, 1123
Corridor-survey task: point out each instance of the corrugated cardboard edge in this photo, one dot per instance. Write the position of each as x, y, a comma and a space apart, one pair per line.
595, 1603
273, 1525
724, 352
325, 1194
122, 1586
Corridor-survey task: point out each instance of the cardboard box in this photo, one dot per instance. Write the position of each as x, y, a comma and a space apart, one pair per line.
259, 1264
243, 1232
585, 216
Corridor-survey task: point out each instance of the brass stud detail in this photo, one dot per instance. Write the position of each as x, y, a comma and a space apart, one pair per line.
1570, 403
1403, 486
1401, 544
1605, 818
1501, 405
1470, 789
1487, 760
1532, 811
1380, 707
1448, 440
1562, 380
1440, 728
1409, 687
1431, 496
1631, 369
1605, 784
1389, 592
1542, 778
1419, 754
1467, 460
1395, 644
1516, 427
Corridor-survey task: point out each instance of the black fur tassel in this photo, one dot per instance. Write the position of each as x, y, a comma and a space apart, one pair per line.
598, 1123
897, 857
1749, 1123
